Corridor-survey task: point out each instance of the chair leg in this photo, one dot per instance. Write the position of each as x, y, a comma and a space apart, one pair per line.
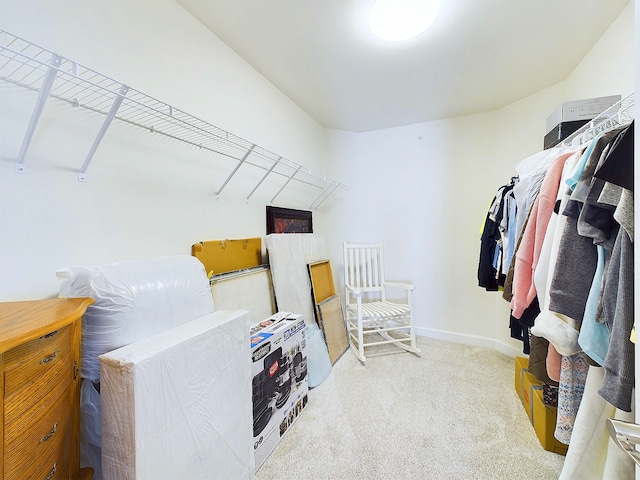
410, 348
358, 350
412, 334
361, 341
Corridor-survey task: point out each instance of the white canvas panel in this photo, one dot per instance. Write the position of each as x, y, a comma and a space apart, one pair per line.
289, 255
178, 405
252, 291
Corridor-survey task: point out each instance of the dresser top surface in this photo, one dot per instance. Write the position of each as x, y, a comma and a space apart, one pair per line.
26, 320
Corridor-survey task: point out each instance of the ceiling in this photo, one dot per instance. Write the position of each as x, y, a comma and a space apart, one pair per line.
479, 56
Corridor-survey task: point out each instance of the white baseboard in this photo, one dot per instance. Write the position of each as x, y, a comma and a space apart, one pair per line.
466, 339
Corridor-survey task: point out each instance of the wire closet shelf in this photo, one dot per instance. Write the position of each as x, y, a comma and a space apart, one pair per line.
51, 75
618, 114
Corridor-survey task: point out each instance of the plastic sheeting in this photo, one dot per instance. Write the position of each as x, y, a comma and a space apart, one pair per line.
133, 300
318, 363
178, 405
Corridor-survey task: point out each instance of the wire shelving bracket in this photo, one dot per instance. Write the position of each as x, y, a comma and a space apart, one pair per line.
53, 76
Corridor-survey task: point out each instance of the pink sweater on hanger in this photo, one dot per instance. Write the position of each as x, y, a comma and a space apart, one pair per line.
524, 290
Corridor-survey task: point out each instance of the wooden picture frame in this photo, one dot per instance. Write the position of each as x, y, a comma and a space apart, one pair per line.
333, 328
287, 220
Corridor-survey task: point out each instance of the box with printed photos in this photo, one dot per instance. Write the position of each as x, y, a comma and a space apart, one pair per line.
279, 379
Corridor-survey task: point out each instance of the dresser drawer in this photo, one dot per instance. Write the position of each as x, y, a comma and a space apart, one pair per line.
47, 435
40, 424
52, 463
28, 363
39, 391
29, 401
21, 411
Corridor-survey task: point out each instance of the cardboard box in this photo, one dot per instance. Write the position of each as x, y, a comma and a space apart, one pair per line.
562, 131
529, 385
522, 364
221, 256
280, 383
544, 423
580, 110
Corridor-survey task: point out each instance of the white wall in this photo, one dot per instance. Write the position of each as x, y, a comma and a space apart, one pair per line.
423, 189
146, 195
426, 199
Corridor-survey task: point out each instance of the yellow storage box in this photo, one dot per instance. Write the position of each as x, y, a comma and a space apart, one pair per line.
544, 423
522, 364
529, 384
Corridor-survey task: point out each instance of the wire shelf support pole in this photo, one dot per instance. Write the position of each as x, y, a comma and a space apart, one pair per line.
82, 173
240, 162
43, 95
286, 183
264, 177
323, 196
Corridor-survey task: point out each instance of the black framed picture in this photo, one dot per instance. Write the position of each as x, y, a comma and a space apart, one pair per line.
287, 220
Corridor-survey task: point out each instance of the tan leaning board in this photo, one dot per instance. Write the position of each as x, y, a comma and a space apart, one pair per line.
327, 309
332, 324
220, 256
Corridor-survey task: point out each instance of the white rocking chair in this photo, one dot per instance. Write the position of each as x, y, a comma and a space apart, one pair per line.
371, 319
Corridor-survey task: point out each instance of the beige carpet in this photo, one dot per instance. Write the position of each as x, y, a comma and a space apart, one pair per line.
451, 414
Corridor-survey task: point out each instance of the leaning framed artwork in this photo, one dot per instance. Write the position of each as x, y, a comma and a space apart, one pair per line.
288, 220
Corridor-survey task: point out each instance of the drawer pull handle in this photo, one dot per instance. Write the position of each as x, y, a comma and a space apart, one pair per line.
52, 472
50, 357
49, 335
50, 434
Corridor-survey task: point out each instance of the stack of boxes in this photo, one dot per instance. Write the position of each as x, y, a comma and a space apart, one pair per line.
542, 417
570, 116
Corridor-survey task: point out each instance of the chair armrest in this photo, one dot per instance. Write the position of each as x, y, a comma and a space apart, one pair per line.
353, 290
406, 286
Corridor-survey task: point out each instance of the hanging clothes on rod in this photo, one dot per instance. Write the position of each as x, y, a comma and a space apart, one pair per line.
495, 239
570, 281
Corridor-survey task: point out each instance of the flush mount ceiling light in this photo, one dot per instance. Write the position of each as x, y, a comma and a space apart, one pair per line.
396, 20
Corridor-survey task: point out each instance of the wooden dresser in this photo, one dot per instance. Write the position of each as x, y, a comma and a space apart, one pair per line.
40, 362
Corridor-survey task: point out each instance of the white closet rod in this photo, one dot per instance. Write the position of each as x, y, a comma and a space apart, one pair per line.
619, 113
30, 66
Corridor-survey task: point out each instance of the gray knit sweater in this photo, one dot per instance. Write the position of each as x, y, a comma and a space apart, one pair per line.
617, 306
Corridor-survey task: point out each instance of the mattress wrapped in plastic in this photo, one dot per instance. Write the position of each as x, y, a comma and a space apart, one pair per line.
133, 300
178, 405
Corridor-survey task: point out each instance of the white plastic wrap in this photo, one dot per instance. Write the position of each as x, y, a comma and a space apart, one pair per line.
318, 363
133, 300
178, 405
